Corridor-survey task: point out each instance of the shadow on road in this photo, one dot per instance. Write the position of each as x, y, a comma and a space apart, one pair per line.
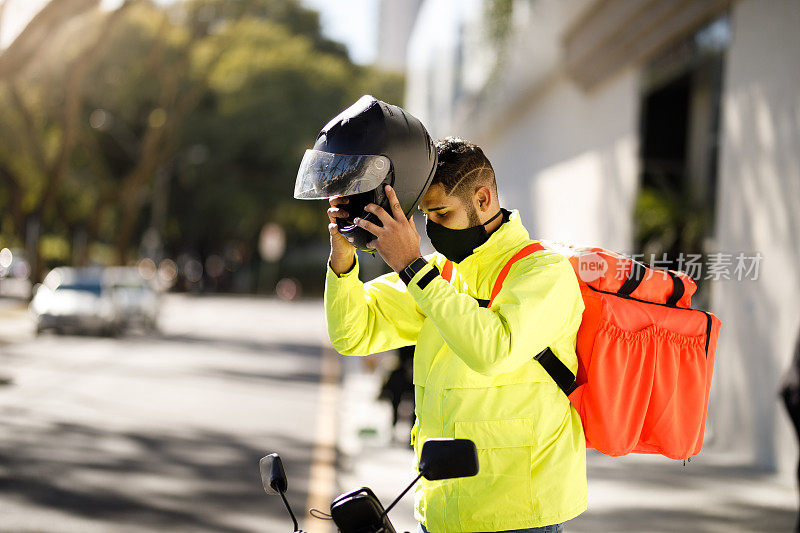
160, 481
244, 345
636, 494
749, 518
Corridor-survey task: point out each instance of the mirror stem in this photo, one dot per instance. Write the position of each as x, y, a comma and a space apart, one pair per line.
286, 503
401, 495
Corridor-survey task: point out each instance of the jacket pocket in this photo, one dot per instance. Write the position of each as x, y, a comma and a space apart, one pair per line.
502, 488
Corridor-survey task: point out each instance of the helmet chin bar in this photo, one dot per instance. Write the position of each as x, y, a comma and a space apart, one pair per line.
359, 237
356, 235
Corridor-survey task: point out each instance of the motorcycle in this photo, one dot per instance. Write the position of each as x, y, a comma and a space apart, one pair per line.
360, 511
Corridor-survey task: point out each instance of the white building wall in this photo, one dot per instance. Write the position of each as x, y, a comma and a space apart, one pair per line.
758, 210
569, 162
565, 158
434, 61
395, 22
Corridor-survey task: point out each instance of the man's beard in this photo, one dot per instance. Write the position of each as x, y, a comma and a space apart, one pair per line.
472, 215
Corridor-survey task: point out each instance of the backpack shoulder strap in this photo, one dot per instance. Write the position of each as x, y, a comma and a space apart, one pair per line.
447, 271
498, 284
562, 375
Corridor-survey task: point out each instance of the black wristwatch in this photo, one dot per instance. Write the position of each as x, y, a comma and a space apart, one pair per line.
411, 270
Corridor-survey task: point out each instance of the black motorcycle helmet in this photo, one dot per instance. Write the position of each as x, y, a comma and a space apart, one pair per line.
365, 147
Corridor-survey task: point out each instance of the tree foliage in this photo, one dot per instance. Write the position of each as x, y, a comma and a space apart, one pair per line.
187, 123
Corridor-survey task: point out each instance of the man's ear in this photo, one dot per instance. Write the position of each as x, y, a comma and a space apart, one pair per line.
482, 199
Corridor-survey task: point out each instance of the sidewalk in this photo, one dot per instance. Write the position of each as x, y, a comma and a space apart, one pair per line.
712, 493
636, 494
368, 454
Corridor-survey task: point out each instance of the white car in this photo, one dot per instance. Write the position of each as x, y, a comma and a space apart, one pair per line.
98, 300
135, 300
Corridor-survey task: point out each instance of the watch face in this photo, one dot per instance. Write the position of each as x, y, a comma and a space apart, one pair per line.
411, 270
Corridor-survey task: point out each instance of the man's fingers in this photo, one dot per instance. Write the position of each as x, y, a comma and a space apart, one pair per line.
338, 200
333, 228
397, 209
369, 226
337, 212
379, 212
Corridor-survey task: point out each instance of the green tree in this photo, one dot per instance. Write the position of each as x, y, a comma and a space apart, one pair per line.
187, 123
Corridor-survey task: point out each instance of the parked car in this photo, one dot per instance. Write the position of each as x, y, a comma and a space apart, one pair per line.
135, 299
99, 300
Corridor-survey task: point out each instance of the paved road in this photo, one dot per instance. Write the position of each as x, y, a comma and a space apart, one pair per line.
165, 433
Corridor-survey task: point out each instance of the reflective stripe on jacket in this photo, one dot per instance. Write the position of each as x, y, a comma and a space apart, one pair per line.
474, 377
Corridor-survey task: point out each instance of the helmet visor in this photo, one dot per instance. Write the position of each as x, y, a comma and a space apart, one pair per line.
323, 175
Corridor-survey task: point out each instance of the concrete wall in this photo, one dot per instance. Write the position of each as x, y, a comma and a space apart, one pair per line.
569, 162
568, 159
758, 210
395, 22
435, 61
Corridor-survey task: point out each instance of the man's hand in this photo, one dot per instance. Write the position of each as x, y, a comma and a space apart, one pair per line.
342, 252
398, 240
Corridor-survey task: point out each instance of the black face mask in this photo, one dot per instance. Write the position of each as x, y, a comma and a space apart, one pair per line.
457, 244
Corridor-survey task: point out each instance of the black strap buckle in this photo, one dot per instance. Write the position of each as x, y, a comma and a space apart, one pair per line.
562, 375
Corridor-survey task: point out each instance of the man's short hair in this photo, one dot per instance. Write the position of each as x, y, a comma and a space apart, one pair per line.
462, 168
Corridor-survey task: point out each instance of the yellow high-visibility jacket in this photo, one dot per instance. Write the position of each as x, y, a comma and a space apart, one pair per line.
474, 377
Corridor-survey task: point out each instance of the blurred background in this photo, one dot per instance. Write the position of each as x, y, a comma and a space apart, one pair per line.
161, 322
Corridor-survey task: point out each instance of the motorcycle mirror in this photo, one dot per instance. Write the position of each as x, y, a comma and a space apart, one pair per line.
273, 476
447, 458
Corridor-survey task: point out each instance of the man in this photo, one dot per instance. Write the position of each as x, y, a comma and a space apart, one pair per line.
474, 376
789, 391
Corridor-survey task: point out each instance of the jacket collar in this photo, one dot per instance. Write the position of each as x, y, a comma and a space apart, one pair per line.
506, 237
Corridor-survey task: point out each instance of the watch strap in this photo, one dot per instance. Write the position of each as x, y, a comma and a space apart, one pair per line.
411, 270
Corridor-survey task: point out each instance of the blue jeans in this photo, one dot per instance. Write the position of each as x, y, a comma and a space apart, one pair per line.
555, 528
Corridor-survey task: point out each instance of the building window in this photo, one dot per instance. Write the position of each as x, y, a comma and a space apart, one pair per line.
679, 132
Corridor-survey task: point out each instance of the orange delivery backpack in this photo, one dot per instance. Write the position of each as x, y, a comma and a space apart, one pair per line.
645, 358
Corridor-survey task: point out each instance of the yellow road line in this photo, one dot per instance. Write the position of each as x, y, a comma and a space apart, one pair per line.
322, 478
